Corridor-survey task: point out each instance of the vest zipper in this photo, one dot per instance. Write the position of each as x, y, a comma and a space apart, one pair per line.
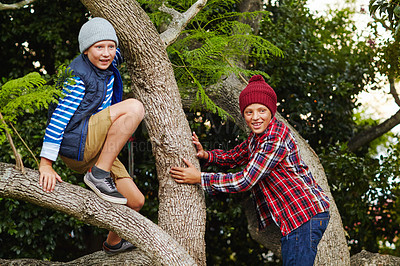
87, 118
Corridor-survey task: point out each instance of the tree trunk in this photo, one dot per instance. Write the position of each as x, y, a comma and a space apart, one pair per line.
182, 207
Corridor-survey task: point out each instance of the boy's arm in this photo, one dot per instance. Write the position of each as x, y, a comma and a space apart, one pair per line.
261, 163
59, 120
55, 131
237, 156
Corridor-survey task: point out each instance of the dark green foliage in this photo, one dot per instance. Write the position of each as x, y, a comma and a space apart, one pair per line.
45, 31
386, 12
366, 191
322, 71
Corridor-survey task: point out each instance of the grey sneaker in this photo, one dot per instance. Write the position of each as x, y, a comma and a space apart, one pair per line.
118, 248
104, 188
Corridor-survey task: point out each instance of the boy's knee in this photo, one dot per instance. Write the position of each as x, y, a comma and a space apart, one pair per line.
141, 201
136, 107
138, 203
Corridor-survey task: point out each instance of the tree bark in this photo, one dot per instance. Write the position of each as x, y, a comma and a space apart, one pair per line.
368, 258
154, 244
182, 207
366, 136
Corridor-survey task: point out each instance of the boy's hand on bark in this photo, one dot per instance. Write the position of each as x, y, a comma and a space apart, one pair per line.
201, 153
48, 177
186, 175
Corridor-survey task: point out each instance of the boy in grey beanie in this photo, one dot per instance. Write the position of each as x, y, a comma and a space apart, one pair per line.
91, 124
95, 30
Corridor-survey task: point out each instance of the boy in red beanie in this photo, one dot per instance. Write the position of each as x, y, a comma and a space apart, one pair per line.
283, 189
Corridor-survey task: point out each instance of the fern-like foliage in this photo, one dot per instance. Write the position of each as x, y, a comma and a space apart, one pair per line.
28, 94
212, 46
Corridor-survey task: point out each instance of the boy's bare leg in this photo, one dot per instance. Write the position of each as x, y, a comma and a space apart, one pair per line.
135, 198
125, 117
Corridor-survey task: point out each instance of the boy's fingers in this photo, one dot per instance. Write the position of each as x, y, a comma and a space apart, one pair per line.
59, 178
178, 180
194, 137
176, 169
188, 163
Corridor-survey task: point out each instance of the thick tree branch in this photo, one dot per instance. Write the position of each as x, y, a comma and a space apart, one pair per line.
18, 5
135, 257
364, 137
179, 21
372, 133
84, 205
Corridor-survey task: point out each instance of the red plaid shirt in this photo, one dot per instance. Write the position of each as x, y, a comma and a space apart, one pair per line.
282, 186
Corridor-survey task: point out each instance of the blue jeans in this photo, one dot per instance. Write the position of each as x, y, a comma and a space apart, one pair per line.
300, 246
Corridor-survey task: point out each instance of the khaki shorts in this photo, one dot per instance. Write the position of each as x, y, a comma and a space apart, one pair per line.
98, 127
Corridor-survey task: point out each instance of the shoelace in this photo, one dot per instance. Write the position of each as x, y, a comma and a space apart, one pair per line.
110, 182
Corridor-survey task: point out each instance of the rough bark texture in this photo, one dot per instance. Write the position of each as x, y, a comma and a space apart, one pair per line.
153, 244
179, 21
366, 136
136, 257
182, 207
365, 258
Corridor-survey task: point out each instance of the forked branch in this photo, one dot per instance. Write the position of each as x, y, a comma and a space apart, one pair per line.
179, 21
18, 160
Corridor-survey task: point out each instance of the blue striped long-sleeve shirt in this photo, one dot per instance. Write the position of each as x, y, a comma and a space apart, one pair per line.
73, 95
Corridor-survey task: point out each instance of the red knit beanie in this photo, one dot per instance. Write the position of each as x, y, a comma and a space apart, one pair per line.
258, 91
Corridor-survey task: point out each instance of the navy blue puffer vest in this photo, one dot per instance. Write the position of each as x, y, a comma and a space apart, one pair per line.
95, 80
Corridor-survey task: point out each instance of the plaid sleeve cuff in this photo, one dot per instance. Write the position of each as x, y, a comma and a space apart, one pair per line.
206, 182
210, 159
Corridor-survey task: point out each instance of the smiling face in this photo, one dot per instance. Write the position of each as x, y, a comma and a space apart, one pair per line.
101, 54
257, 117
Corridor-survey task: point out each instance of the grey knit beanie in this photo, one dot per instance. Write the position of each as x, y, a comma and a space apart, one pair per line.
96, 30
